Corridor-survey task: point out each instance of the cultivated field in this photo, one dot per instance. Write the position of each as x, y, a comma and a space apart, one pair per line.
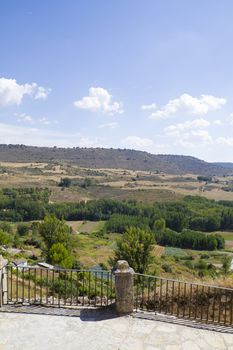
119, 184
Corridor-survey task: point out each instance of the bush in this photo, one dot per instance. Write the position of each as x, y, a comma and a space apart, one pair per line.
167, 268
204, 178
5, 238
205, 256
86, 183
160, 225
188, 264
59, 256
201, 265
226, 264
22, 229
6, 227
65, 182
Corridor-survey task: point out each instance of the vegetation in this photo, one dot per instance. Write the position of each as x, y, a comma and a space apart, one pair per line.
226, 264
5, 238
135, 246
63, 226
59, 256
189, 239
194, 213
119, 223
204, 178
65, 182
22, 229
55, 231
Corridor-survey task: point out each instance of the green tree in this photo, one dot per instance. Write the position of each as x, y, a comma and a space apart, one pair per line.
226, 264
5, 238
59, 256
204, 178
22, 229
135, 246
54, 231
160, 225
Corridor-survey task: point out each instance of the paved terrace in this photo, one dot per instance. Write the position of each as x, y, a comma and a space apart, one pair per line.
40, 328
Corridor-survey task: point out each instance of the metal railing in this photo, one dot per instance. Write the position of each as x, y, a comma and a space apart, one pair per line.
58, 287
65, 287
194, 301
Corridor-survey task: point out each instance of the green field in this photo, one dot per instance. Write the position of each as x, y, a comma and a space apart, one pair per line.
86, 226
175, 252
92, 250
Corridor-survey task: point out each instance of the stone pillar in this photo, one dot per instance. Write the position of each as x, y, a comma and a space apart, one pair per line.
124, 288
3, 281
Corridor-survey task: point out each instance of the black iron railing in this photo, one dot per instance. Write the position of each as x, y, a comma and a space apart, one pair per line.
58, 287
200, 302
64, 287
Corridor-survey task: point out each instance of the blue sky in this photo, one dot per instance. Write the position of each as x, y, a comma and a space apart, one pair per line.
153, 75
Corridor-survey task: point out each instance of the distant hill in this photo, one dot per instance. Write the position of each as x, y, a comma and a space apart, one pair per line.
114, 158
224, 165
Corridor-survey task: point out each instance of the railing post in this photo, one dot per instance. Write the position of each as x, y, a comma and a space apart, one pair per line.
124, 287
3, 281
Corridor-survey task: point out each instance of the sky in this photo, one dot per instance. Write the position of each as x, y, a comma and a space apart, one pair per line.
151, 75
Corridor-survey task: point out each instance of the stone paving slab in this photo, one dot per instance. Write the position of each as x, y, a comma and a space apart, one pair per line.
89, 330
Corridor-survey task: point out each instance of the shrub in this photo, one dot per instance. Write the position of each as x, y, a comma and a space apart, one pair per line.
59, 256
65, 182
167, 268
5, 238
22, 229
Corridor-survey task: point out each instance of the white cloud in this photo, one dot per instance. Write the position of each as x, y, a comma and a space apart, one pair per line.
226, 141
12, 93
190, 133
25, 118
176, 129
202, 135
112, 125
149, 107
194, 139
41, 93
99, 100
138, 142
189, 104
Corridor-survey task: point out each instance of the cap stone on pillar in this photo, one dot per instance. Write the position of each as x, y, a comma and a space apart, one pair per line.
122, 266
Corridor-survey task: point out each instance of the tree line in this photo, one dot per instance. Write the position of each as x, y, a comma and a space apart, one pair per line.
192, 212
188, 239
